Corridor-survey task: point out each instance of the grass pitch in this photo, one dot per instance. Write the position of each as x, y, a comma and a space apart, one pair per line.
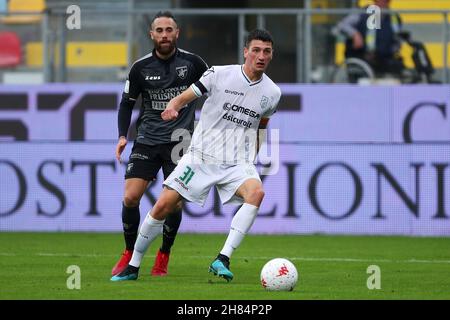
34, 266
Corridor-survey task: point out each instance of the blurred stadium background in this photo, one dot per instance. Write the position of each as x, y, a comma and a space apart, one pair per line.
367, 159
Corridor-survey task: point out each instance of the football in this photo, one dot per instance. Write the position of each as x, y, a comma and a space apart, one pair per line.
279, 274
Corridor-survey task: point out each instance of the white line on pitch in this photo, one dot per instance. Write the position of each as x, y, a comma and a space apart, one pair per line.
76, 255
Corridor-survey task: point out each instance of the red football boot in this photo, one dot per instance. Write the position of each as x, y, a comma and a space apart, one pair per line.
161, 263
122, 263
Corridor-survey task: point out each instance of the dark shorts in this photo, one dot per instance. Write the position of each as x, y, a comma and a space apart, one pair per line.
145, 161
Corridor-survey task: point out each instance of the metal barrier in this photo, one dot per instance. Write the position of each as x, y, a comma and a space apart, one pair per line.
303, 33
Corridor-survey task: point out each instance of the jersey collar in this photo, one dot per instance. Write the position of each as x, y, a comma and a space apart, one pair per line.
251, 83
167, 60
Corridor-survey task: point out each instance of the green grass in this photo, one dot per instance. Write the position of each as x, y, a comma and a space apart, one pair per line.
33, 266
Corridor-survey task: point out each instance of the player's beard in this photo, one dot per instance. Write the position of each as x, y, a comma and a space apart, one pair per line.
165, 48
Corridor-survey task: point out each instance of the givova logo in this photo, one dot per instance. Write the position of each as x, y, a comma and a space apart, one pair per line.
236, 93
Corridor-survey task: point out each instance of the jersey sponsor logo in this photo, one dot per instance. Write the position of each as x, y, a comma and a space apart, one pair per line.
230, 117
182, 71
165, 94
181, 184
236, 93
152, 78
139, 156
233, 107
159, 105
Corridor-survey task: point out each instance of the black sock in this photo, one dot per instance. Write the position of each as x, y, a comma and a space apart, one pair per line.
170, 230
225, 260
130, 221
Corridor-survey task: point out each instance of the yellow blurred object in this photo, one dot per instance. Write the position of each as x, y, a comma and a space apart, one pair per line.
321, 18
18, 6
82, 54
434, 49
417, 5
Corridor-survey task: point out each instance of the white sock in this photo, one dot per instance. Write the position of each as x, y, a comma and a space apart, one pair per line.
149, 230
241, 223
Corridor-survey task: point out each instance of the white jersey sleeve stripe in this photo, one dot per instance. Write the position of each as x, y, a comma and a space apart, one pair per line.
196, 90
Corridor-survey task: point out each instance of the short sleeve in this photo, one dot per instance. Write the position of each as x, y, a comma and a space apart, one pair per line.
200, 67
208, 79
273, 105
132, 86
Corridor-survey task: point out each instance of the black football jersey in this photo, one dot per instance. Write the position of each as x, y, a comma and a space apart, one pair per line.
157, 81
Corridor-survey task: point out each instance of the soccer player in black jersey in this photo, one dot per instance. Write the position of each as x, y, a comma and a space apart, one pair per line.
157, 77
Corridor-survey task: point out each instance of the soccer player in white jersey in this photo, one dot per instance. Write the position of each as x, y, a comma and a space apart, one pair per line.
240, 100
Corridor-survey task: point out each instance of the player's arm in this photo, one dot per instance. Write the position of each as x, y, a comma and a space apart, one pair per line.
196, 90
129, 97
175, 105
123, 122
261, 133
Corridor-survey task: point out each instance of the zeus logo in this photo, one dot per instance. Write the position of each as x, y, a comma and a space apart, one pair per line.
153, 78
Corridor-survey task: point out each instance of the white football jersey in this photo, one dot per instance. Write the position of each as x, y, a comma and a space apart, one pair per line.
229, 120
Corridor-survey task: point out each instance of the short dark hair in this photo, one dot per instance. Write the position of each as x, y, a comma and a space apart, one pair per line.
161, 14
258, 34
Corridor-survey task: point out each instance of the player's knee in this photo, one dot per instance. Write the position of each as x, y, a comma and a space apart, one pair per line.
162, 208
256, 196
178, 206
130, 200
259, 194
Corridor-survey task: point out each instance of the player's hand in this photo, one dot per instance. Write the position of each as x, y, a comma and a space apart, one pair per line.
169, 114
358, 41
121, 144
